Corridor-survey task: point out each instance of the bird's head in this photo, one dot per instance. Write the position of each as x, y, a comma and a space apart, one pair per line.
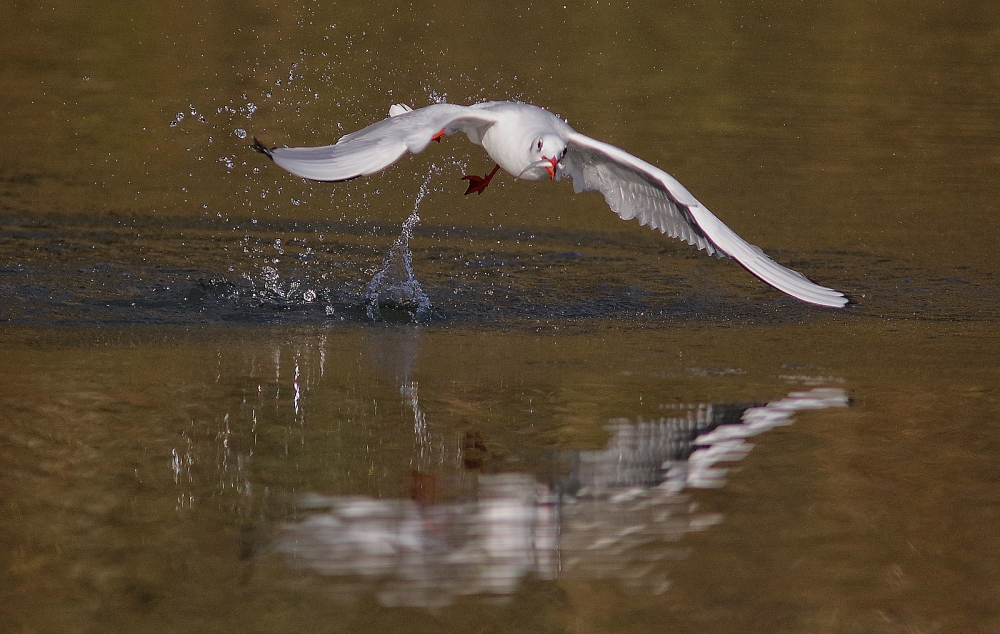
545, 153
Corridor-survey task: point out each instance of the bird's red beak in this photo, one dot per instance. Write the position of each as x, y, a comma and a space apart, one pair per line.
551, 169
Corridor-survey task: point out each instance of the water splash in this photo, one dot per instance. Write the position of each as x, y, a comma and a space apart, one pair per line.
269, 289
394, 287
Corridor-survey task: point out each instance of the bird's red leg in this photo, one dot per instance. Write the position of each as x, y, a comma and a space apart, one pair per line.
437, 137
478, 183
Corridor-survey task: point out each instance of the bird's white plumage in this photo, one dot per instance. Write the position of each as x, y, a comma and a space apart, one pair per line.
381, 144
635, 189
531, 143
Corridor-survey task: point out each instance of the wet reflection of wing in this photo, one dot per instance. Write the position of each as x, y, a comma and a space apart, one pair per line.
615, 513
727, 443
381, 144
636, 189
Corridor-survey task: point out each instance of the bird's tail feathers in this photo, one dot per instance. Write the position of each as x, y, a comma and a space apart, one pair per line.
397, 109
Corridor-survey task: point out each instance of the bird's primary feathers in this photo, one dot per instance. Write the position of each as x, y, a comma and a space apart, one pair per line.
531, 143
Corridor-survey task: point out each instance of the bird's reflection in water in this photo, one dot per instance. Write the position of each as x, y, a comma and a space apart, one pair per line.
614, 514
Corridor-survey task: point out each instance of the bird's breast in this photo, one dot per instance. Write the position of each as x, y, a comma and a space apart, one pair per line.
517, 128
505, 146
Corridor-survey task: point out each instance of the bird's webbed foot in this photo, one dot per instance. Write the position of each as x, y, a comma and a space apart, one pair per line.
478, 183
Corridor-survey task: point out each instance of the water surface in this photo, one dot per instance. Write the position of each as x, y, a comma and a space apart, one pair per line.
586, 427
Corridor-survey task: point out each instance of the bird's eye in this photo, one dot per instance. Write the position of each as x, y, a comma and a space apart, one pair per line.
539, 145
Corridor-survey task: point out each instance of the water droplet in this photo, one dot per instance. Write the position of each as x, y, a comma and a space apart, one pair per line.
240, 132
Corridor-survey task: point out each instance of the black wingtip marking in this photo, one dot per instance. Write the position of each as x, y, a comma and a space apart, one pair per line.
260, 147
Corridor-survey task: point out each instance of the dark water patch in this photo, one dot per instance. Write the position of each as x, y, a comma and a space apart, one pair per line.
107, 269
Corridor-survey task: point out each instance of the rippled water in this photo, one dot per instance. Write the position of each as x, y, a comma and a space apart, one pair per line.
236, 400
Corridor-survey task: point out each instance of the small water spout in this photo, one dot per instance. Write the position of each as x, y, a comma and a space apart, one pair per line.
394, 287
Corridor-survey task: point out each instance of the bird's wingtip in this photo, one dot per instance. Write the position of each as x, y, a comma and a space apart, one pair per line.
825, 297
849, 299
263, 149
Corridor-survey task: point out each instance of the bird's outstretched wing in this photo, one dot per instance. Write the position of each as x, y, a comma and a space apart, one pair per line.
635, 189
381, 144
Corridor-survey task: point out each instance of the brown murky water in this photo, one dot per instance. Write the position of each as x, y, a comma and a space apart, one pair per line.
594, 429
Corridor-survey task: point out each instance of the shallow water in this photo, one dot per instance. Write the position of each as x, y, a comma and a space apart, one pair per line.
585, 427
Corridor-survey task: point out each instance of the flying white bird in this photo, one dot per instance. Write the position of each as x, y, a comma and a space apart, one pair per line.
531, 143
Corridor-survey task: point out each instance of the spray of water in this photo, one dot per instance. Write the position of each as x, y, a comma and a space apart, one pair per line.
394, 287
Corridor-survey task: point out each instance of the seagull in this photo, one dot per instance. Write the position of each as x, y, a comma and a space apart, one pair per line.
531, 143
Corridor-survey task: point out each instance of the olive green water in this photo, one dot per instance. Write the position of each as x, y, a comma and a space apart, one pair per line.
595, 429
